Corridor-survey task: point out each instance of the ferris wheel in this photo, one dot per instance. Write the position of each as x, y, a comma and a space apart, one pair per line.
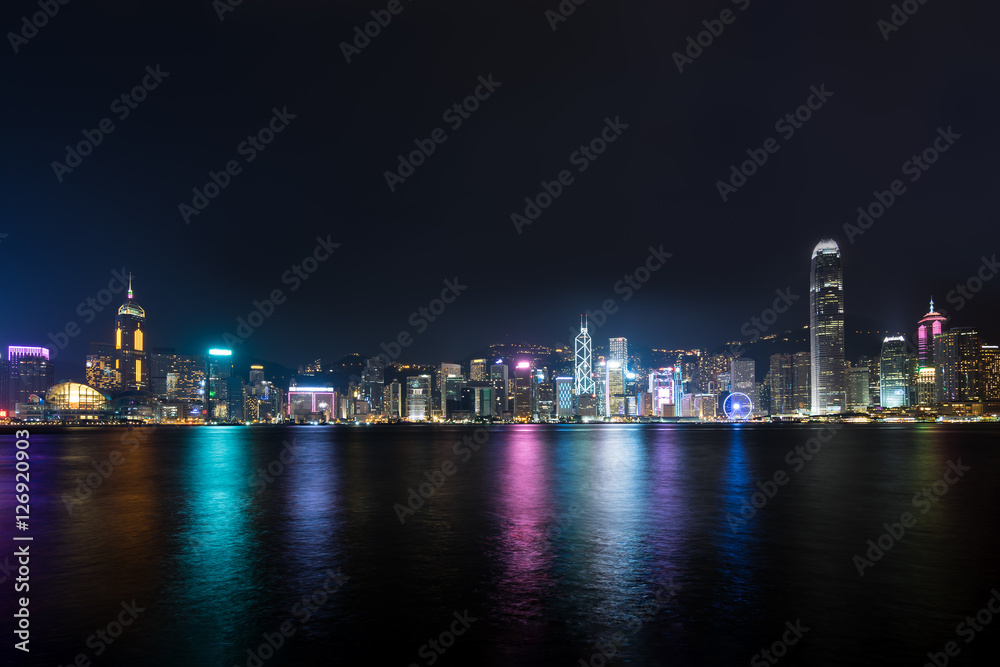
738, 406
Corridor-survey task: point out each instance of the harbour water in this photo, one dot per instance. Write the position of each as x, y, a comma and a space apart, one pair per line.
516, 545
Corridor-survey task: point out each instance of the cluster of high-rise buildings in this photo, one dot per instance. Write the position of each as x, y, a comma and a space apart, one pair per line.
128, 380
934, 372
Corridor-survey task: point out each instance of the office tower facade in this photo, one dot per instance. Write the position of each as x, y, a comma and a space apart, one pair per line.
742, 374
499, 379
100, 367
394, 400
894, 373
957, 356
989, 374
583, 368
482, 404
565, 407
178, 379
130, 345
5, 408
782, 373
661, 391
874, 381
256, 374
601, 386
928, 328
373, 383
618, 351
219, 368
614, 389
477, 371
826, 329
523, 394
418, 397
803, 383
30, 371
446, 371
858, 392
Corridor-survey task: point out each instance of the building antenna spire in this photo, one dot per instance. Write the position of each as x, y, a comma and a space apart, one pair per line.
130, 284
932, 303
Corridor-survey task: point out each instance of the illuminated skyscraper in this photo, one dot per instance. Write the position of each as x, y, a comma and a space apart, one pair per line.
477, 371
989, 376
615, 389
927, 329
418, 397
130, 349
220, 368
957, 356
618, 351
894, 373
858, 391
661, 391
564, 397
802, 397
583, 367
101, 373
29, 372
500, 380
445, 372
742, 377
523, 395
394, 400
782, 400
826, 329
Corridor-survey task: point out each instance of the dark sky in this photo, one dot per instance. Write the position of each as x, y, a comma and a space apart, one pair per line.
323, 175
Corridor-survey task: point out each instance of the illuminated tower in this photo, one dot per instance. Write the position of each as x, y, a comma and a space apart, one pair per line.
927, 328
618, 351
584, 381
893, 372
826, 329
130, 349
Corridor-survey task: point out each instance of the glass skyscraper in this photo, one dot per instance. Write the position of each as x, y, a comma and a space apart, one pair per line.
826, 329
894, 373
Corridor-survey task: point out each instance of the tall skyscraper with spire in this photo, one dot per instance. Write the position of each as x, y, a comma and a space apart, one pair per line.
928, 327
130, 346
584, 375
826, 329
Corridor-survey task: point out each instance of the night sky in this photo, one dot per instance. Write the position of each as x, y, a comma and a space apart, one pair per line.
324, 173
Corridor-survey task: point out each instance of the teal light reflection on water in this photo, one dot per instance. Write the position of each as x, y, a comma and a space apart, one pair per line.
214, 585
